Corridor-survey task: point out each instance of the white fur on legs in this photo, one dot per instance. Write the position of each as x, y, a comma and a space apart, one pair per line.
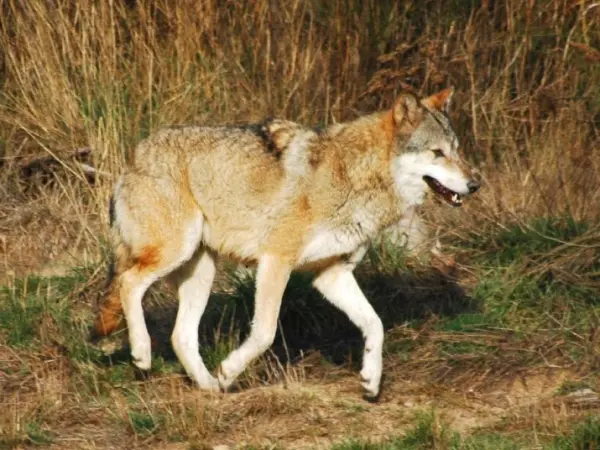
339, 286
133, 289
134, 284
271, 278
194, 281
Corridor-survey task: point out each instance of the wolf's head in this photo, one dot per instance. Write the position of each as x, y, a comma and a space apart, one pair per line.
425, 154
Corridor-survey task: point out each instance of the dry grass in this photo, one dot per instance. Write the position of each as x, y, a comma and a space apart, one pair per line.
50, 397
101, 76
82, 82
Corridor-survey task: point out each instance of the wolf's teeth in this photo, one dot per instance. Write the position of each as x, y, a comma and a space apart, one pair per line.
455, 198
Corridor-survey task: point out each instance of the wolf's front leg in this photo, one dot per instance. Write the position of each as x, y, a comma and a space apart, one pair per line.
339, 286
272, 276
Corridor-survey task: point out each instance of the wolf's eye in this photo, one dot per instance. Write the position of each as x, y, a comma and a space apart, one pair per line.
438, 153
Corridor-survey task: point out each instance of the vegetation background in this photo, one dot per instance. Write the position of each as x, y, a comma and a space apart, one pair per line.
503, 353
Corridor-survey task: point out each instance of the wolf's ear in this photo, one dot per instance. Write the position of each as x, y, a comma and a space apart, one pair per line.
406, 107
440, 101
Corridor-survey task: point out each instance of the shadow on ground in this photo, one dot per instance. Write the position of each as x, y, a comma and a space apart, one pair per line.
309, 323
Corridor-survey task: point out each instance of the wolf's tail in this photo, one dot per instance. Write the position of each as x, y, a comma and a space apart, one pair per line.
109, 316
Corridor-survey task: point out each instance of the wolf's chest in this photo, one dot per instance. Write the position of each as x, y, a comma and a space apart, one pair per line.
329, 240
324, 243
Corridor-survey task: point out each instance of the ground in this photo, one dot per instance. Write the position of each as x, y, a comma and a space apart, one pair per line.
455, 376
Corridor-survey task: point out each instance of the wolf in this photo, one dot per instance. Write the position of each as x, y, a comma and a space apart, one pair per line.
280, 195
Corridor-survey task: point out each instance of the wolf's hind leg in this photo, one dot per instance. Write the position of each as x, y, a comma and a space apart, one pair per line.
134, 284
154, 262
339, 286
162, 226
193, 280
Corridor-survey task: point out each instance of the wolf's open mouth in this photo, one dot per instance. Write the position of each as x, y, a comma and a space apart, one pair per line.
450, 196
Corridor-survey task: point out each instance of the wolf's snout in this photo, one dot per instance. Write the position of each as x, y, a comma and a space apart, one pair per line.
473, 186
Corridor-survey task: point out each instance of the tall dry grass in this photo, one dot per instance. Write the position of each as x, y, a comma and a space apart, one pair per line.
102, 75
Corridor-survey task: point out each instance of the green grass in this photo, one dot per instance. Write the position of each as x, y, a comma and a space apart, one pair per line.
213, 354
355, 444
517, 295
425, 434
32, 301
40, 311
535, 238
428, 433
33, 433
143, 423
586, 436
37, 435
489, 442
469, 322
518, 288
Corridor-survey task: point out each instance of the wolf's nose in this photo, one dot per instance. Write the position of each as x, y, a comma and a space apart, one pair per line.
473, 186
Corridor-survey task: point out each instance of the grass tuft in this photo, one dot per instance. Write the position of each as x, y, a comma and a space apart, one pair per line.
586, 436
142, 423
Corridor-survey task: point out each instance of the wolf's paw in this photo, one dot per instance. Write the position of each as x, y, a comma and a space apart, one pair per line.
371, 381
142, 356
372, 389
224, 379
209, 383
142, 363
